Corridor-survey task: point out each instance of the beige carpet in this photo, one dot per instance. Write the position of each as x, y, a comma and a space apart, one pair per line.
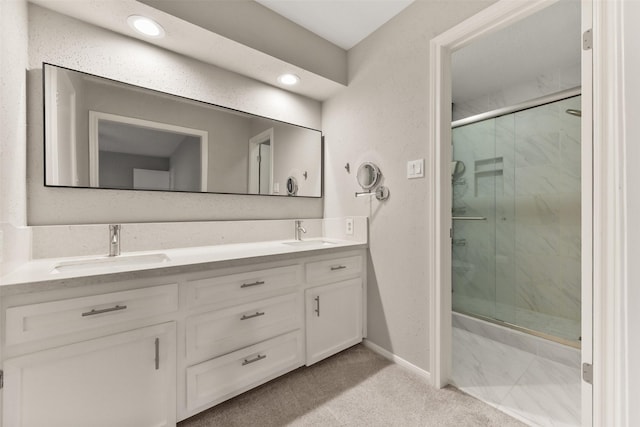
354, 388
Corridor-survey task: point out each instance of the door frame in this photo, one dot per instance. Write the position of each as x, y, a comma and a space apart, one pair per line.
495, 17
53, 81
254, 145
94, 142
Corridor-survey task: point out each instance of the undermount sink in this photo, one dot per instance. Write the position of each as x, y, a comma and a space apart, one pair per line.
309, 243
105, 262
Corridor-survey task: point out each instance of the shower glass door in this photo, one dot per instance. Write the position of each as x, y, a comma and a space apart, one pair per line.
482, 213
516, 220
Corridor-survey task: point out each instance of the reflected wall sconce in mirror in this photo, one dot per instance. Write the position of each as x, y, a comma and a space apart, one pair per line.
368, 176
292, 186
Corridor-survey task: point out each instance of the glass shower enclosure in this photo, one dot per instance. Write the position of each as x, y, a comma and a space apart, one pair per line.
516, 219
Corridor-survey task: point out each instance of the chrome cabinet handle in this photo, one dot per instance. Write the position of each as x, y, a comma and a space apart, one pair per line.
157, 353
256, 283
469, 218
104, 310
339, 267
255, 359
251, 316
317, 310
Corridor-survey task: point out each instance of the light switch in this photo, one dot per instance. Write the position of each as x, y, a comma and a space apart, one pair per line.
415, 169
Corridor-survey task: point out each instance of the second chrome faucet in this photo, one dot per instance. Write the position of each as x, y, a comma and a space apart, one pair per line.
299, 229
114, 239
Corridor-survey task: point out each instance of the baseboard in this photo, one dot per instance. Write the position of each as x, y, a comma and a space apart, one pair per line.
396, 359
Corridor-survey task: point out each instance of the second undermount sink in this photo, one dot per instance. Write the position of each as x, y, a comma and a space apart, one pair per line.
106, 262
307, 243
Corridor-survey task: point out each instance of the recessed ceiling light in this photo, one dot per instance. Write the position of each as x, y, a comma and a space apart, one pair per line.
289, 79
146, 26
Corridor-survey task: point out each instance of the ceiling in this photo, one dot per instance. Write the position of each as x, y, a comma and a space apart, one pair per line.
211, 47
263, 39
342, 22
538, 45
260, 40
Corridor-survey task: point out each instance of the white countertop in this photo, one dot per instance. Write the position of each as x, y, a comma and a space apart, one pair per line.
43, 270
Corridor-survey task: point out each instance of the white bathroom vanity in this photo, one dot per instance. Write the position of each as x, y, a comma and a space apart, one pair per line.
152, 338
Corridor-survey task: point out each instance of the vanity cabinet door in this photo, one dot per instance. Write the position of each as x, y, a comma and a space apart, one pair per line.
334, 318
127, 379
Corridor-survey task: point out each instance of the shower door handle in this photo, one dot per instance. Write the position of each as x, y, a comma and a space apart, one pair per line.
469, 218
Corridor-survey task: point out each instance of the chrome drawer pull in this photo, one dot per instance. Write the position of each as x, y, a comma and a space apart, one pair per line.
157, 360
104, 310
256, 283
251, 316
317, 310
258, 357
469, 218
339, 267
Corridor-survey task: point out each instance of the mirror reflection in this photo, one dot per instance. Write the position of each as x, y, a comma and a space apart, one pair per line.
101, 133
368, 175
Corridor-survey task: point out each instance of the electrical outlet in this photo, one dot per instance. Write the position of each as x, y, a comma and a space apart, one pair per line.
348, 226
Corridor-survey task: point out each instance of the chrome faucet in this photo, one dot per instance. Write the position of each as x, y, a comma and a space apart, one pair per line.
299, 228
114, 239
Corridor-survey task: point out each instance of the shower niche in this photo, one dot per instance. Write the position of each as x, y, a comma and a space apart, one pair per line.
487, 175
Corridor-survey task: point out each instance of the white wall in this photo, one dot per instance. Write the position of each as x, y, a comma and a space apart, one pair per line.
227, 132
185, 165
65, 41
383, 117
116, 169
296, 150
631, 52
14, 237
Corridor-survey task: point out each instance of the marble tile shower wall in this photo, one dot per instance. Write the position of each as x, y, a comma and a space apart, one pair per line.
546, 83
522, 172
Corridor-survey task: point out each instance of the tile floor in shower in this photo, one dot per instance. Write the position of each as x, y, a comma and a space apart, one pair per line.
525, 384
564, 328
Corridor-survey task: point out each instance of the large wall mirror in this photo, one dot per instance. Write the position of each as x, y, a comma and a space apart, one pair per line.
101, 133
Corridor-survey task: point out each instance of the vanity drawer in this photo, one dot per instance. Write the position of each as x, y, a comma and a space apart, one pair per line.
223, 331
46, 320
334, 269
242, 286
216, 380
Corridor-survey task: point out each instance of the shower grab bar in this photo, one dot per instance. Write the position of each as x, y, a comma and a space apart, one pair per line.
469, 218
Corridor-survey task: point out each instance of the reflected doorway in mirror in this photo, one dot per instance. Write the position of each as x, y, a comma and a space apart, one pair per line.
121, 145
66, 142
261, 149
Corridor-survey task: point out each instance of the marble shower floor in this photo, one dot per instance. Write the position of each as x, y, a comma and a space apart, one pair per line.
567, 329
531, 388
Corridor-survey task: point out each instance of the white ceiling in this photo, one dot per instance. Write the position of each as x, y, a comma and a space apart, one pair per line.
541, 44
345, 23
117, 137
342, 22
210, 48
